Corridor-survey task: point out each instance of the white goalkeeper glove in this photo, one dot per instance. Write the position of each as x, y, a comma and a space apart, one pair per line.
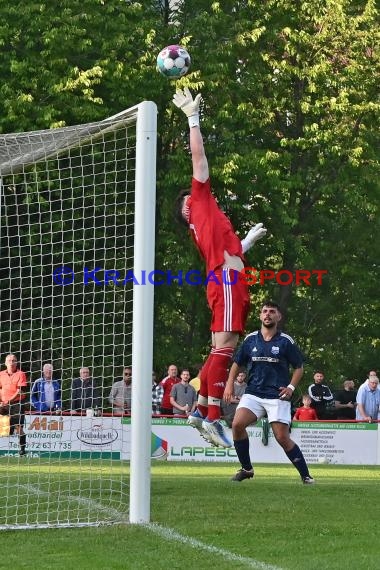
184, 100
254, 234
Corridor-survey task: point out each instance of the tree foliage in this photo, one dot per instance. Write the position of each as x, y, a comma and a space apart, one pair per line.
290, 91
290, 118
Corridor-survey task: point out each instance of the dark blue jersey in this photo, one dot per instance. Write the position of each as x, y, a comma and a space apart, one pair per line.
268, 362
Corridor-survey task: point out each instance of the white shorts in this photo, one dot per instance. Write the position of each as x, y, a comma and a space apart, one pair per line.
276, 409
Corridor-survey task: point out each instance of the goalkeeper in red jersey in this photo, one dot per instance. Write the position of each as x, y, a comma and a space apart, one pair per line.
227, 291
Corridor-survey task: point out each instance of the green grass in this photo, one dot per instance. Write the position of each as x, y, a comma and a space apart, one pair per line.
202, 520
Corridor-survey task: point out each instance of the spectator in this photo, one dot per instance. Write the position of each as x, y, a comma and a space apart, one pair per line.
345, 401
157, 394
368, 400
229, 410
84, 392
121, 394
305, 413
167, 384
196, 381
46, 392
12, 399
321, 396
183, 397
371, 374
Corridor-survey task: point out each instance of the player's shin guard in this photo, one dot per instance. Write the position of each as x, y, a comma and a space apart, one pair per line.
242, 451
296, 457
216, 380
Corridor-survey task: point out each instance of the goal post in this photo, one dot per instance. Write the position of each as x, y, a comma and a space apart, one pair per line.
77, 223
142, 356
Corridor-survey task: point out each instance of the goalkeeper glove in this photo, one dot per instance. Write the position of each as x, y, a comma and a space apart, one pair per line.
254, 234
184, 100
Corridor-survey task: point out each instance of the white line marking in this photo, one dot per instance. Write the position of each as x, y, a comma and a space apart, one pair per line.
170, 534
90, 503
167, 533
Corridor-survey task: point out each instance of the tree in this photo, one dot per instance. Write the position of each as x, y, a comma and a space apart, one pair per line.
290, 104
290, 120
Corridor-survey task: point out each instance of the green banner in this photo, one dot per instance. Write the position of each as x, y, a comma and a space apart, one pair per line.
336, 425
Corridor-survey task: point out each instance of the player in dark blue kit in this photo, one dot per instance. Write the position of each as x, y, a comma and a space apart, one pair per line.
267, 355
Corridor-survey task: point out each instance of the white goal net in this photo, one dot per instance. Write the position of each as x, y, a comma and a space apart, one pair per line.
77, 223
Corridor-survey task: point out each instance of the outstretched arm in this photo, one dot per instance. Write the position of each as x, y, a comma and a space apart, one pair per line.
198, 155
184, 100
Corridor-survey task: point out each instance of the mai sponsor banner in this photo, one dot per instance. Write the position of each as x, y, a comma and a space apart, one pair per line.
69, 435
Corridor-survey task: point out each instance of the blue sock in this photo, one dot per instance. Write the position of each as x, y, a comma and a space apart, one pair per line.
242, 450
296, 457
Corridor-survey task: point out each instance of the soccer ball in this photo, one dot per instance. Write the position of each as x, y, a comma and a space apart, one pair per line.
173, 62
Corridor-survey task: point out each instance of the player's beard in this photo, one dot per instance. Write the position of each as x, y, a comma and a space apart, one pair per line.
269, 325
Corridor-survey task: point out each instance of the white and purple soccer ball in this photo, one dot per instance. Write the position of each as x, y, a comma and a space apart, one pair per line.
173, 61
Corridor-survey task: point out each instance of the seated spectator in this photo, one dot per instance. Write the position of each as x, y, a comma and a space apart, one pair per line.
167, 383
368, 400
321, 396
345, 401
85, 394
46, 392
121, 394
157, 394
228, 410
305, 413
183, 397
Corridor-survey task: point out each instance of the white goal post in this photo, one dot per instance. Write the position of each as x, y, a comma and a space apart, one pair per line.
77, 223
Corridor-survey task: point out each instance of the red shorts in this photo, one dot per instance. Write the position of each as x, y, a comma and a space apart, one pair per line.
228, 300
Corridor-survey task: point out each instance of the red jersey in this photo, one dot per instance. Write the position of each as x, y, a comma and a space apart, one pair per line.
305, 414
10, 384
210, 228
167, 383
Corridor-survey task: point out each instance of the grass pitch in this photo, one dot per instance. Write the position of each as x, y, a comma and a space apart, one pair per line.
200, 519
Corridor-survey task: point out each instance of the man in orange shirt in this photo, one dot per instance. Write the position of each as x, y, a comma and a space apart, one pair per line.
12, 397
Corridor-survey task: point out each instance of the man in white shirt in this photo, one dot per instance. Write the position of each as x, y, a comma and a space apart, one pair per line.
368, 400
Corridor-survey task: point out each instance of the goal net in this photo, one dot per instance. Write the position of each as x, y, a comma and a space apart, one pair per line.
77, 228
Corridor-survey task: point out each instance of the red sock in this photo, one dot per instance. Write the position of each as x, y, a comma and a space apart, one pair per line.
203, 390
216, 380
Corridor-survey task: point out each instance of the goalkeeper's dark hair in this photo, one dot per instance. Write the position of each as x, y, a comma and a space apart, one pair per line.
178, 207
